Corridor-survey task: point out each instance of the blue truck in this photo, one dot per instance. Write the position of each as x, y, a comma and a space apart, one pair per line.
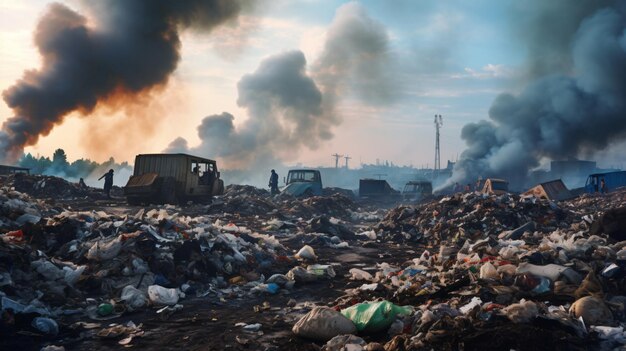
303, 182
612, 180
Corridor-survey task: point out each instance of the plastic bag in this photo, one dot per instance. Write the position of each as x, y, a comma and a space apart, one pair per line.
593, 310
322, 270
45, 325
359, 274
134, 298
522, 312
47, 269
488, 271
163, 296
344, 342
323, 323
306, 253
104, 251
375, 316
301, 275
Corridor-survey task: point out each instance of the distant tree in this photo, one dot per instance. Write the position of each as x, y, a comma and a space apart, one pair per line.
59, 159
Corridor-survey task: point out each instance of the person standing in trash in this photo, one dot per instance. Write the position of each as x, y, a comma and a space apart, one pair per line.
108, 182
603, 188
81, 184
273, 183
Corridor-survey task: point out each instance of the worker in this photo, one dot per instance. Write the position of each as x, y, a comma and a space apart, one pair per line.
468, 188
273, 184
603, 188
108, 182
81, 184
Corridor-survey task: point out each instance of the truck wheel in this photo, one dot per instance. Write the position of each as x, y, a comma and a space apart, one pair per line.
308, 192
168, 191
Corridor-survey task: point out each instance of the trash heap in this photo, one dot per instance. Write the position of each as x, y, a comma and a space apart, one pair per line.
43, 186
244, 202
56, 263
491, 273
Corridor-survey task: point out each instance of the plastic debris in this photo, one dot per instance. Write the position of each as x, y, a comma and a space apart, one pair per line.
375, 316
323, 323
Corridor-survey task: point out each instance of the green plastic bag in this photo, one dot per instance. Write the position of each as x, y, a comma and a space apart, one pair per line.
375, 316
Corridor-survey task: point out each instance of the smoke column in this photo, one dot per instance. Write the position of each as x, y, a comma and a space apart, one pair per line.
577, 108
290, 107
128, 47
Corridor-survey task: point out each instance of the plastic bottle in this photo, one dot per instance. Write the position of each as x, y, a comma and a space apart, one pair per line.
105, 309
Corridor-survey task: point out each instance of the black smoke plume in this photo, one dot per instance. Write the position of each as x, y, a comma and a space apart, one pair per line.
576, 111
125, 48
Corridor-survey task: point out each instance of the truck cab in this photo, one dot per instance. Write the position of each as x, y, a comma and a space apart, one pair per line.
303, 182
612, 180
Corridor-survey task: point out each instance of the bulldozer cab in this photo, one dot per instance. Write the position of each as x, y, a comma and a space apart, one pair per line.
203, 172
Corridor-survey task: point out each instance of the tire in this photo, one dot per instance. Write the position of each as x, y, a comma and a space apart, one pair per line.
308, 192
168, 191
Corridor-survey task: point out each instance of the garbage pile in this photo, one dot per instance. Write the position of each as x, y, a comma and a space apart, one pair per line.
43, 186
336, 205
463, 216
247, 201
55, 263
493, 273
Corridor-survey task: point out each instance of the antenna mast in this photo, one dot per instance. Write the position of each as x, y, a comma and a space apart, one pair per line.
337, 157
438, 124
347, 158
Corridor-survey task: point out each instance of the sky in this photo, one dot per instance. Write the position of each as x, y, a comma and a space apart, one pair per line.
442, 57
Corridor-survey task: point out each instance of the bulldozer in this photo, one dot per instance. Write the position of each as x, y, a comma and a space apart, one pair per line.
173, 178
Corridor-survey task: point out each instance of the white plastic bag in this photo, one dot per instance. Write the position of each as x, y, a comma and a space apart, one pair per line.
306, 253
488, 271
104, 251
359, 274
163, 296
134, 298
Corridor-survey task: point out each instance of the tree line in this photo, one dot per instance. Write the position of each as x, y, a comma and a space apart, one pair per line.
59, 165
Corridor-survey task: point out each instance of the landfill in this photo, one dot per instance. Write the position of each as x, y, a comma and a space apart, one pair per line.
249, 270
